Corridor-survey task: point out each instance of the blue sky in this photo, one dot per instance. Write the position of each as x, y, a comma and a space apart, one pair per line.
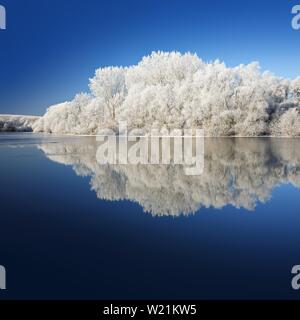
51, 48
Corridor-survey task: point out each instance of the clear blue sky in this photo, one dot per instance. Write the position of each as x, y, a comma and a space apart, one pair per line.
51, 48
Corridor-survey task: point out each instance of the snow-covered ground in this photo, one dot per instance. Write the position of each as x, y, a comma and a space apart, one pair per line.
12, 123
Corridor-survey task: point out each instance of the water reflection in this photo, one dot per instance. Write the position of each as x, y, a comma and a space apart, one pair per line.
240, 172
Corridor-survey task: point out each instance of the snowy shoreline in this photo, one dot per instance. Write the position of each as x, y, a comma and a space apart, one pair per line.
17, 123
30, 130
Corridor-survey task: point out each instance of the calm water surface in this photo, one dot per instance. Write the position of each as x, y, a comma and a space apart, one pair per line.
72, 228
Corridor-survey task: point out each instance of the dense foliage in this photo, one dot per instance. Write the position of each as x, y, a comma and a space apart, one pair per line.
173, 90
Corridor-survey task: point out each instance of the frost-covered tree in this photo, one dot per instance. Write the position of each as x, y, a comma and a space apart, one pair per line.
173, 91
288, 124
295, 90
109, 86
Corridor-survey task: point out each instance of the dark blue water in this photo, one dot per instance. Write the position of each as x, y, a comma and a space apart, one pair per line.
64, 234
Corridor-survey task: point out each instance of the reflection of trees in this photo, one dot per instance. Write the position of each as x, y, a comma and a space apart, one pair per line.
238, 172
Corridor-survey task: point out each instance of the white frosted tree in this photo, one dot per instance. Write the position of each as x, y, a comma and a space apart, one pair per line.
109, 86
295, 90
288, 124
173, 91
